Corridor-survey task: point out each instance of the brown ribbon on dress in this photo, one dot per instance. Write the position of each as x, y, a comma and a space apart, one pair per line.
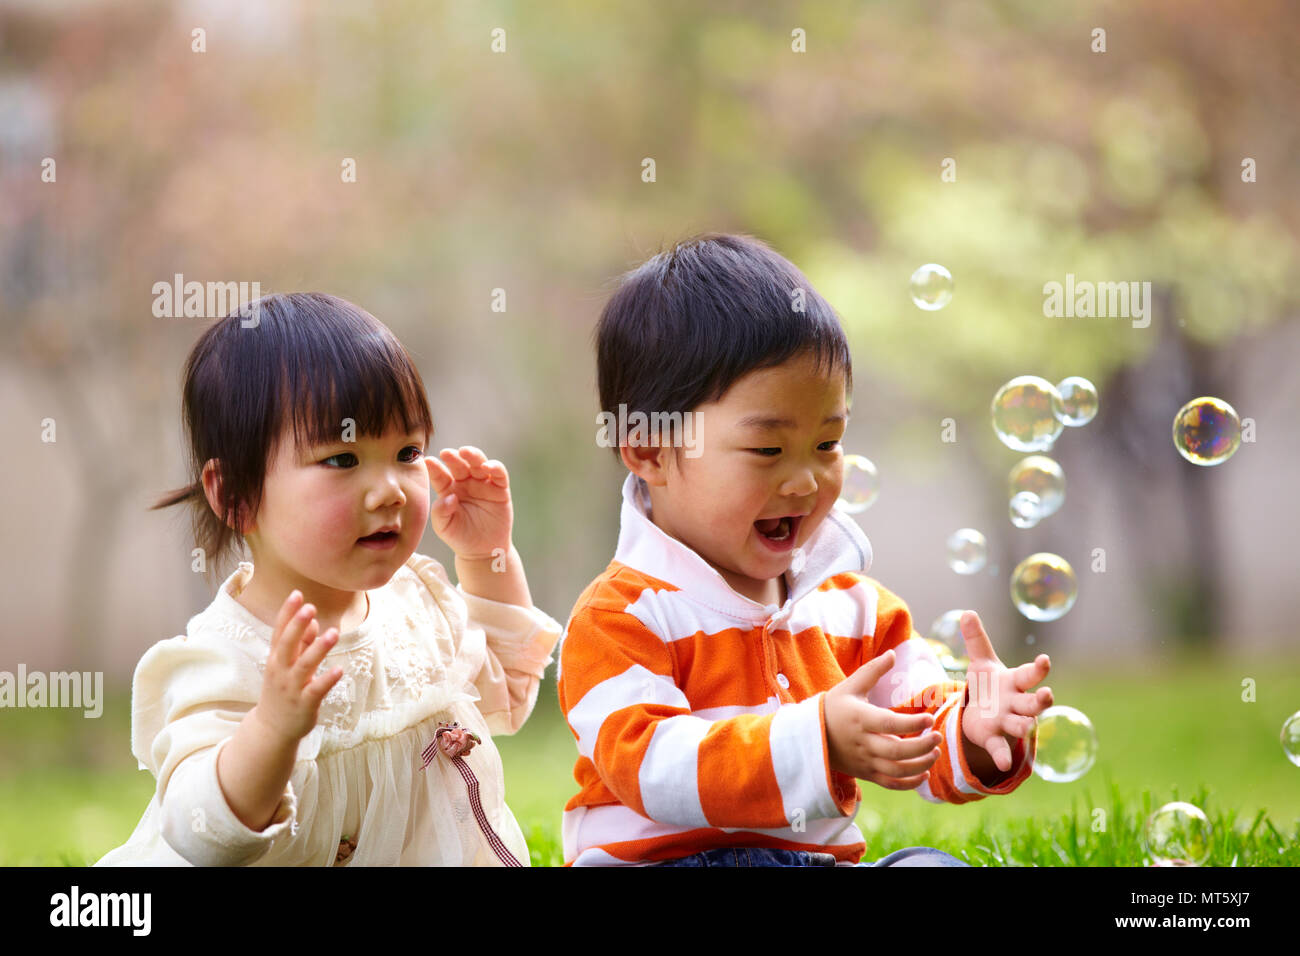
453, 741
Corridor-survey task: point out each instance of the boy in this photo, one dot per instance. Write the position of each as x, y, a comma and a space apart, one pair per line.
733, 669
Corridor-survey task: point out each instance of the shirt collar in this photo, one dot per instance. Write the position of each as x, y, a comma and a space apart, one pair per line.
837, 546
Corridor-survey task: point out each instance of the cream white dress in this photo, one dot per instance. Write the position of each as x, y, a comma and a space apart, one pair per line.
427, 653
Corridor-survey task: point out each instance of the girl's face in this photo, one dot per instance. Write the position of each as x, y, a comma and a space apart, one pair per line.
771, 449
319, 503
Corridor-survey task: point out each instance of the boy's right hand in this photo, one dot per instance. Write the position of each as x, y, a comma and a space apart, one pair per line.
866, 741
291, 695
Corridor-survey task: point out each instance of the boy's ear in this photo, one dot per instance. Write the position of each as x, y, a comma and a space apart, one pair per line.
649, 462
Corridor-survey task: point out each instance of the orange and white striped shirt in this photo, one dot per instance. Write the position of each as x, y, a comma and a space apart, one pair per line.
699, 713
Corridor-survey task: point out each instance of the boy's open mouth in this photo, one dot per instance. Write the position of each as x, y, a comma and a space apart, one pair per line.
779, 530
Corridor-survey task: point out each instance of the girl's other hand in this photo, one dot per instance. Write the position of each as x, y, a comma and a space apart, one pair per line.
291, 694
473, 514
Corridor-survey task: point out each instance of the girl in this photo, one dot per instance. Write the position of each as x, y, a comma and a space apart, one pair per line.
334, 703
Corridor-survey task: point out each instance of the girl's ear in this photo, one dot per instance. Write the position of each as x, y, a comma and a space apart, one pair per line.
212, 491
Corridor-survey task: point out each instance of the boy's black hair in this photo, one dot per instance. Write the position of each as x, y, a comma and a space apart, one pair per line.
688, 323
308, 362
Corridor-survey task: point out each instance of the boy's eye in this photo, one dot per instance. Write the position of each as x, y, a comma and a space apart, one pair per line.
773, 452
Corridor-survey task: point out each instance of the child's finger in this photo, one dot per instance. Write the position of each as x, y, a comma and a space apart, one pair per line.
475, 459
438, 474
882, 721
978, 645
998, 748
304, 642
314, 654
497, 473
321, 684
287, 652
865, 677
1025, 705
451, 458
287, 610
1027, 675
889, 747
908, 768
1017, 726
900, 783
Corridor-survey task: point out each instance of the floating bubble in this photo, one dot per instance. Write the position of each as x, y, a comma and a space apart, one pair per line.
953, 664
1078, 401
931, 287
1025, 413
967, 551
1041, 476
1026, 509
946, 628
1067, 744
861, 484
1043, 586
1207, 431
1291, 738
1178, 834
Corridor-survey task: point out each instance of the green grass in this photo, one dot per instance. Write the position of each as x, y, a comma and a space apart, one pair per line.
1167, 733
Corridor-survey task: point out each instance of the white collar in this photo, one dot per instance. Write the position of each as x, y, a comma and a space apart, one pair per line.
838, 545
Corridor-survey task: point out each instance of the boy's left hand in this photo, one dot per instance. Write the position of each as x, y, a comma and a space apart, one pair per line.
473, 513
999, 702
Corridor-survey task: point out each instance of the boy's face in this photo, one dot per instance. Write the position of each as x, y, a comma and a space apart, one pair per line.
770, 448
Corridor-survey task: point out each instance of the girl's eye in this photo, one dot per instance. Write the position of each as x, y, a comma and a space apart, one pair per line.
419, 454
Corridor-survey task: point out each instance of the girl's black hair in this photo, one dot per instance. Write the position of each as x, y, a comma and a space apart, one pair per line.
685, 325
294, 364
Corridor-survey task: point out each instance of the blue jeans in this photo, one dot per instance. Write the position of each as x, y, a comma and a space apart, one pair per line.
765, 856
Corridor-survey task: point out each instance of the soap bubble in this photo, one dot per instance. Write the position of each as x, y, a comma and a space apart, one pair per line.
861, 485
1291, 738
1207, 431
1041, 476
1177, 834
1078, 401
946, 628
1025, 413
1067, 744
1026, 509
1043, 587
931, 287
967, 551
954, 665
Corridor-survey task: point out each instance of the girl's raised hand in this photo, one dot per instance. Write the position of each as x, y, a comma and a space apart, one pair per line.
291, 691
473, 512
